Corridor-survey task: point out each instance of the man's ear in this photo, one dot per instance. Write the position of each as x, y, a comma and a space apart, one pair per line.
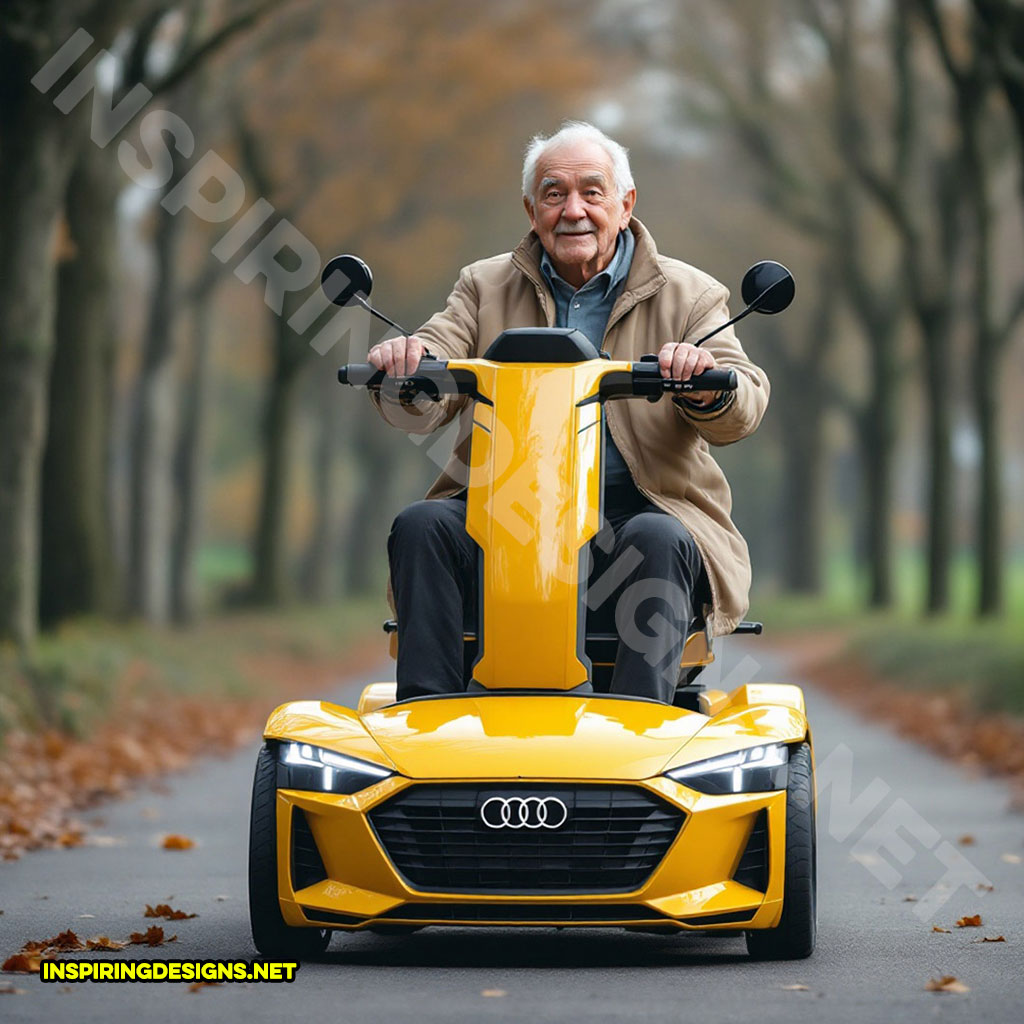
529, 212
628, 202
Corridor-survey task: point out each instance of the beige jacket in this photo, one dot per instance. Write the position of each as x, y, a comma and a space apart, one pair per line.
664, 445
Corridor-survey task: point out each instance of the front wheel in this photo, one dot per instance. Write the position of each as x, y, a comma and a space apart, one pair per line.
793, 937
273, 938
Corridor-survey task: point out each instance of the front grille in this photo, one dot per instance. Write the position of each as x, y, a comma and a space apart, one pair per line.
307, 867
752, 869
611, 841
556, 913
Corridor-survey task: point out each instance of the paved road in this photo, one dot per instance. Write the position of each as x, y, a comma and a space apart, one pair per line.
876, 948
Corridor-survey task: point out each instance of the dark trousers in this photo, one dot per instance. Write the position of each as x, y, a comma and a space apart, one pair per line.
646, 578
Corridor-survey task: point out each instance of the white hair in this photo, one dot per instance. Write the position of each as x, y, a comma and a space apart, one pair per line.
576, 131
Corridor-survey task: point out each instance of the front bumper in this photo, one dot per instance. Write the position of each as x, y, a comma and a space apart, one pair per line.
693, 886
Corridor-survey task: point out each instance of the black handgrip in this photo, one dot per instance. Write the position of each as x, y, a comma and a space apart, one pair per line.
709, 380
360, 374
432, 378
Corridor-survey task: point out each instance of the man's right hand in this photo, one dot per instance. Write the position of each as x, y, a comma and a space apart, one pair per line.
398, 357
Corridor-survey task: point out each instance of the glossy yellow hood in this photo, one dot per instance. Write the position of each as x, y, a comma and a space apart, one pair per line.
542, 737
531, 737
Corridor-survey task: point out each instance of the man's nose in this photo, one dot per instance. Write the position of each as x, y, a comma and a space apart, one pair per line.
574, 208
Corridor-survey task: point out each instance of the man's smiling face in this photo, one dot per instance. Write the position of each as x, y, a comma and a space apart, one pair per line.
577, 211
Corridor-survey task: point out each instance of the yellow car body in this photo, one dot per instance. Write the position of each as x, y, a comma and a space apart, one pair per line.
541, 744
452, 834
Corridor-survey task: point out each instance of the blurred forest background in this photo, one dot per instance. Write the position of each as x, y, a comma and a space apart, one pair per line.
173, 445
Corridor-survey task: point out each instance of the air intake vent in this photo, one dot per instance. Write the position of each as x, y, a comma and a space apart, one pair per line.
592, 838
307, 867
555, 913
752, 869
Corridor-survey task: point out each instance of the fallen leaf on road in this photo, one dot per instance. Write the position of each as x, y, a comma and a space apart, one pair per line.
1010, 858
987, 938
69, 839
973, 921
936, 928
65, 942
795, 988
164, 910
152, 936
219, 899
104, 942
909, 899
966, 840
198, 986
947, 983
7, 989
494, 993
22, 963
984, 887
176, 842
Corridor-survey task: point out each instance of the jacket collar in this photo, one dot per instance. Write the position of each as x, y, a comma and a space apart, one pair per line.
644, 279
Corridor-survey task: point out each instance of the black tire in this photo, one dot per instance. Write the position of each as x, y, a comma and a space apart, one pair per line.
273, 938
793, 937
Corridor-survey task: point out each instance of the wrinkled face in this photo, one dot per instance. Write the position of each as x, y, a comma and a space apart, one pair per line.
577, 211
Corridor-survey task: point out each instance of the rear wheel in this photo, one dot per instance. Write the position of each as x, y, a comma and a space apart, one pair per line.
793, 938
269, 932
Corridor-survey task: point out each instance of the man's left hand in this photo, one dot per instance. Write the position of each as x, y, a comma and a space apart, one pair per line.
681, 362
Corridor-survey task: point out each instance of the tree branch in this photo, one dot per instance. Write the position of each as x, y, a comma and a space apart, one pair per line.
194, 58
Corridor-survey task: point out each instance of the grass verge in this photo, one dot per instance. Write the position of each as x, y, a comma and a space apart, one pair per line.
981, 661
99, 708
88, 671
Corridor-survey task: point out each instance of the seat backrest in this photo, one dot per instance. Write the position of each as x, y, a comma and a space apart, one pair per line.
376, 695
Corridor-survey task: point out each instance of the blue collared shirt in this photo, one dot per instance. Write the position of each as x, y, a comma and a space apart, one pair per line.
587, 310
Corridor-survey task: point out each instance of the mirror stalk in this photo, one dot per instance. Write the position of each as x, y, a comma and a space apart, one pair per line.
359, 300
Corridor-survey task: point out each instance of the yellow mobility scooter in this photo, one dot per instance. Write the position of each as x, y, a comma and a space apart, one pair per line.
530, 799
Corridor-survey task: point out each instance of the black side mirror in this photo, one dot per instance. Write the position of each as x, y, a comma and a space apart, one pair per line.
344, 277
768, 287
347, 280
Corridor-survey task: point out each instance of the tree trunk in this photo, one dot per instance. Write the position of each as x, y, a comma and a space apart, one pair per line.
151, 495
364, 550
189, 463
321, 572
77, 569
271, 580
803, 453
37, 146
988, 351
936, 330
991, 587
878, 442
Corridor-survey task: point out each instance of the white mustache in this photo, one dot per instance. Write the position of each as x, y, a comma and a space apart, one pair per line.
579, 227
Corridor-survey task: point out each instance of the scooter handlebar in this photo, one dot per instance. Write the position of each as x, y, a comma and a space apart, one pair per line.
433, 376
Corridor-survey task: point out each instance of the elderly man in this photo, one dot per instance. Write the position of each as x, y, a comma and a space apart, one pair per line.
588, 263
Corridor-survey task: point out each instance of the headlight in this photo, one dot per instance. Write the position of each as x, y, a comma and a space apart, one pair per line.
303, 766
754, 770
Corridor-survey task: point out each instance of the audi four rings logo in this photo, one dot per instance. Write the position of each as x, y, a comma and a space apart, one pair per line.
524, 812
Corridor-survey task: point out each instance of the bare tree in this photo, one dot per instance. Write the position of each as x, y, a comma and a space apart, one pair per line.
39, 147
806, 185
972, 79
